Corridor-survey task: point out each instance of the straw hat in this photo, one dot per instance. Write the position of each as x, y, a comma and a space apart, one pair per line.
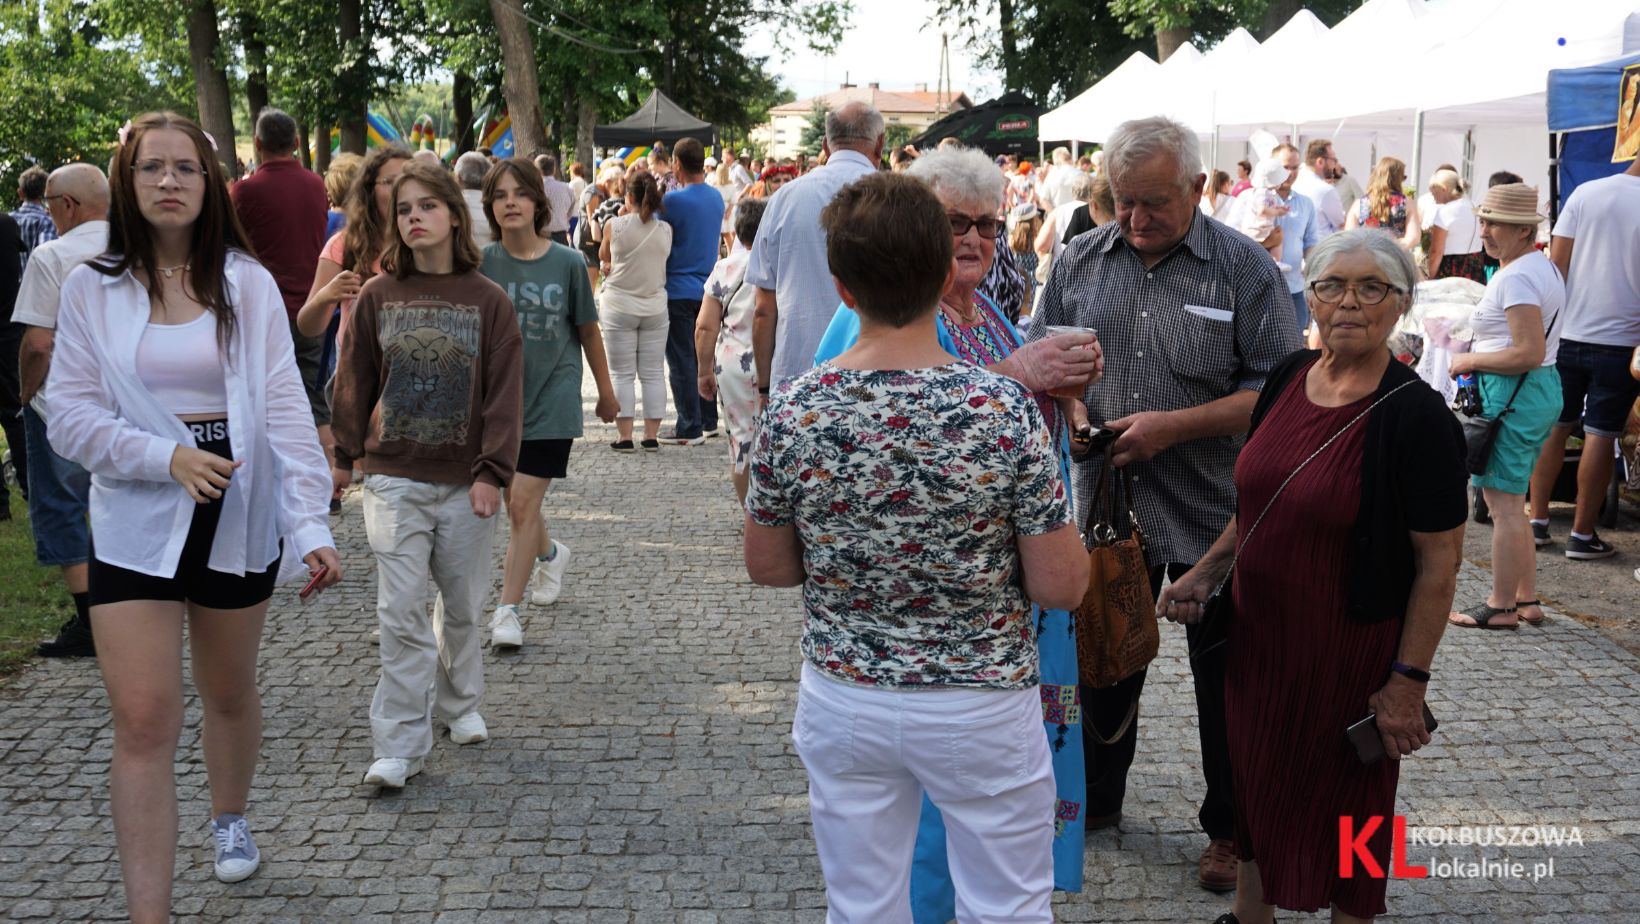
1510, 204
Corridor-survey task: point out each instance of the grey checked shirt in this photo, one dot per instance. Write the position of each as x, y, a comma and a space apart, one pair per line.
1212, 317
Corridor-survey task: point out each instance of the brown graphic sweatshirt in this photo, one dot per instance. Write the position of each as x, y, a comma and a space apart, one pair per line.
429, 381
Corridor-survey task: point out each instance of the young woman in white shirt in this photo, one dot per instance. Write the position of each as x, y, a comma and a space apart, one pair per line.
175, 384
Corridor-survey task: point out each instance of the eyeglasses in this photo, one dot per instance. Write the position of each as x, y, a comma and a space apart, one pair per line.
1331, 291
67, 199
987, 227
186, 172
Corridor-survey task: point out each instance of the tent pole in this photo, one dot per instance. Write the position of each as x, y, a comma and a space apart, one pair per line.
1555, 139
1417, 148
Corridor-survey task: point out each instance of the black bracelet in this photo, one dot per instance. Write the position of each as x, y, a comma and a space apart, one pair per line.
1410, 672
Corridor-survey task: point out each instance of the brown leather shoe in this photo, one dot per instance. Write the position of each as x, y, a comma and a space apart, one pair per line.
1101, 822
1216, 870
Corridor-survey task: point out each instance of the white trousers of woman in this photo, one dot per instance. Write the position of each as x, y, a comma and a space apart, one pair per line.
636, 346
983, 760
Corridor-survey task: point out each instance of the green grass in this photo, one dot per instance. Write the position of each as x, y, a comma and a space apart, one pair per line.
33, 600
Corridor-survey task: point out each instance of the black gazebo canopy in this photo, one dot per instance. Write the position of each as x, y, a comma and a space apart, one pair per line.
1005, 125
658, 119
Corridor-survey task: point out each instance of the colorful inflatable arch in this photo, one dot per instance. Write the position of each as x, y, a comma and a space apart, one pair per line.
378, 131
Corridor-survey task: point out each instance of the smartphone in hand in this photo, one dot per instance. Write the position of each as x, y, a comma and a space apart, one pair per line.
306, 595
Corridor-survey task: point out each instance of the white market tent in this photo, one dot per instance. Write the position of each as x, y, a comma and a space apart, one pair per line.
1459, 81
1133, 77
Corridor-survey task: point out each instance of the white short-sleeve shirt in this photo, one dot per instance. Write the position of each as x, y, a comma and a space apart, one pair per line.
1530, 280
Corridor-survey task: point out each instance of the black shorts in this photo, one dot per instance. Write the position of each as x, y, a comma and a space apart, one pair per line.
544, 458
194, 581
310, 357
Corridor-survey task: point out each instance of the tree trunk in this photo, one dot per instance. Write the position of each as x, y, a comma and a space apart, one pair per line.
586, 118
211, 82
461, 88
355, 103
1010, 44
521, 81
1276, 16
302, 149
256, 65
1169, 40
321, 148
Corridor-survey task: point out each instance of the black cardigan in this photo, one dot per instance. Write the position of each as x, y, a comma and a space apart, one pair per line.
1413, 478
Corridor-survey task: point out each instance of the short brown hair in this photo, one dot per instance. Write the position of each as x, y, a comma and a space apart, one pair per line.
1316, 150
689, 156
1283, 148
399, 259
900, 217
529, 180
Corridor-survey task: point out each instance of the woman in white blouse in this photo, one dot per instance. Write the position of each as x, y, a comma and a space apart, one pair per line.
174, 384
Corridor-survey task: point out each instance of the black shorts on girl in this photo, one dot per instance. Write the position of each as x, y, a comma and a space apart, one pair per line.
544, 458
194, 581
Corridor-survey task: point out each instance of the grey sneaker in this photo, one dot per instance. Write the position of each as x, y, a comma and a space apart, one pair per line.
236, 855
1540, 535
1588, 549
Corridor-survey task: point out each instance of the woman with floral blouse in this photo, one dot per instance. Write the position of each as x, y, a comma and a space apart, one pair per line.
917, 500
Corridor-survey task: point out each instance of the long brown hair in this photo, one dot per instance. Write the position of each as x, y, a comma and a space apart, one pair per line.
215, 232
1388, 176
398, 258
647, 190
368, 234
530, 182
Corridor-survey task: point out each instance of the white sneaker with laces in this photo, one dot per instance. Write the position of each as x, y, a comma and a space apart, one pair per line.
505, 629
548, 576
468, 729
237, 858
392, 772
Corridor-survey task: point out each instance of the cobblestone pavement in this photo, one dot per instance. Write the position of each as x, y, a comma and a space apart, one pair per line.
640, 768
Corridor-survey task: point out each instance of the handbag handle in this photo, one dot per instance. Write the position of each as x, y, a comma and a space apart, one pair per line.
1108, 489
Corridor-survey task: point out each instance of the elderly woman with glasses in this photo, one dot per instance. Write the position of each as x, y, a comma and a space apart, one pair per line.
974, 329
1341, 560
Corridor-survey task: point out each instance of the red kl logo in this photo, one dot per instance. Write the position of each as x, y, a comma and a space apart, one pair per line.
1352, 845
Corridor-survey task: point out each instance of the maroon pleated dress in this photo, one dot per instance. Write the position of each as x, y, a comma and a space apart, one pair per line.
1299, 670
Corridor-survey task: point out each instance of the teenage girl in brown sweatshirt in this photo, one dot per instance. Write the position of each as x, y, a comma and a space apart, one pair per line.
428, 402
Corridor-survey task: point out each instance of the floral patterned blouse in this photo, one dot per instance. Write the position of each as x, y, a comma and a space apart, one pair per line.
908, 488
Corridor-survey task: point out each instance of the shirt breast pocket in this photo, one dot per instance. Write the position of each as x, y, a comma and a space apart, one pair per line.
1201, 347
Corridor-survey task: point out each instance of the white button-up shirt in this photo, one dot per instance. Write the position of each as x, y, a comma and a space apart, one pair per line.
43, 283
789, 257
106, 420
1329, 209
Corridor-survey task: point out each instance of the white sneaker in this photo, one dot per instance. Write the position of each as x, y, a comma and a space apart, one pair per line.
548, 576
236, 855
468, 729
505, 630
391, 772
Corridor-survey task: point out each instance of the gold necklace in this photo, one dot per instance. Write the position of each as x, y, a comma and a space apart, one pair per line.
968, 320
169, 271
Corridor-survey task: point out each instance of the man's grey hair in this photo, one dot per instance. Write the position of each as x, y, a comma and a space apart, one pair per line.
1082, 187
1394, 262
1139, 141
84, 182
276, 130
854, 124
1061, 155
470, 170
961, 177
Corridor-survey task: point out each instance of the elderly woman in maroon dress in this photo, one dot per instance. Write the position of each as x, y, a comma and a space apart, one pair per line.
1345, 550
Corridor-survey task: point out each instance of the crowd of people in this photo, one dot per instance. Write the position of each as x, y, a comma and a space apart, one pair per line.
910, 358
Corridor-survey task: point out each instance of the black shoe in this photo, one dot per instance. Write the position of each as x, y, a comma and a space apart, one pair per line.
1227, 918
73, 641
335, 506
678, 439
621, 445
710, 432
650, 445
1588, 549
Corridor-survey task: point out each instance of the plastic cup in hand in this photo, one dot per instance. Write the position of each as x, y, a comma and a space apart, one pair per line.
1061, 330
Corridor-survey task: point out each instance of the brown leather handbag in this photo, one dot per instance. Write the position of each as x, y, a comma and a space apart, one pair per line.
1116, 632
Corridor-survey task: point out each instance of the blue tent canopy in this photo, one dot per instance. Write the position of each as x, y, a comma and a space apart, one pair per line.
1583, 105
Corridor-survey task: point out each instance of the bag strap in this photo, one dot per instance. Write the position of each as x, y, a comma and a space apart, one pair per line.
1242, 539
1510, 404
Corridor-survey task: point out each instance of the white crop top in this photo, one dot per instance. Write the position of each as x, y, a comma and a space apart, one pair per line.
182, 366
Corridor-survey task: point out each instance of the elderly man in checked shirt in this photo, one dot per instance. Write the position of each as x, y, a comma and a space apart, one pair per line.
1191, 316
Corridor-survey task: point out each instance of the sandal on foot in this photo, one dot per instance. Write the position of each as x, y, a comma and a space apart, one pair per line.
1480, 616
1520, 608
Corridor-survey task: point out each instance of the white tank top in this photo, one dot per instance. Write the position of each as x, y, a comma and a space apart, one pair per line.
182, 366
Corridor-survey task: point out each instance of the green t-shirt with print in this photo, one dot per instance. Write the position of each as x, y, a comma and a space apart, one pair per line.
552, 298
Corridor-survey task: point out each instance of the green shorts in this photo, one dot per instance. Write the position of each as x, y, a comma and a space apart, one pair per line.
1524, 429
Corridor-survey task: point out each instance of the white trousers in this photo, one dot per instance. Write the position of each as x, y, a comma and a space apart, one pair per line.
983, 760
419, 529
636, 347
